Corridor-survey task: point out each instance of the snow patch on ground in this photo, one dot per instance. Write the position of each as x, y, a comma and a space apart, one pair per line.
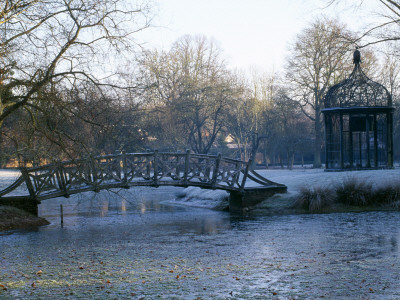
293, 179
197, 197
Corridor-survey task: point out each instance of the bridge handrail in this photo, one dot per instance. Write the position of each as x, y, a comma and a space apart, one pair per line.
123, 170
261, 180
100, 157
12, 187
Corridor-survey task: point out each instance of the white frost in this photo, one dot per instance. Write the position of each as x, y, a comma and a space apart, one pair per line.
293, 179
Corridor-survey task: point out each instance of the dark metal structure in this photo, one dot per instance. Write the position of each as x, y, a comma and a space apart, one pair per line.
358, 123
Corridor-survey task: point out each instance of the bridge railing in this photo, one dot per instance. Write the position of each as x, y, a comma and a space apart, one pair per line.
124, 170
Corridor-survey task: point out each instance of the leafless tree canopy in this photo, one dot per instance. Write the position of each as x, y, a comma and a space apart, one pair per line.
317, 61
61, 42
387, 30
190, 89
73, 82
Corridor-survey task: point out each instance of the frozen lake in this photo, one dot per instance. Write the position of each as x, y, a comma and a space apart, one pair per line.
139, 243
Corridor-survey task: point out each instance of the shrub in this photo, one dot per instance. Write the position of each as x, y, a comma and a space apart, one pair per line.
315, 198
354, 192
350, 192
388, 194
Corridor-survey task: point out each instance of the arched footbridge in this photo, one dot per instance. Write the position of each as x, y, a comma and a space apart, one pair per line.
126, 170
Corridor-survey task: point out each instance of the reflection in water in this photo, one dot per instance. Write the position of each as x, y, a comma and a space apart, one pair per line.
108, 201
141, 203
143, 208
123, 206
104, 208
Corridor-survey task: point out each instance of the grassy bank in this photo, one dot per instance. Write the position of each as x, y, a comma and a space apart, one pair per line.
353, 194
14, 218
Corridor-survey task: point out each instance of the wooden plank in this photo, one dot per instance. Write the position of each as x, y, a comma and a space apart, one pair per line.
216, 170
155, 167
28, 182
186, 171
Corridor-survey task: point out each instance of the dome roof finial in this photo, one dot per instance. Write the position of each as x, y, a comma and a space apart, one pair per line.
356, 57
357, 90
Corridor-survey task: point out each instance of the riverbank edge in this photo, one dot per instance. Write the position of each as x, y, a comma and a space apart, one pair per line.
286, 205
14, 218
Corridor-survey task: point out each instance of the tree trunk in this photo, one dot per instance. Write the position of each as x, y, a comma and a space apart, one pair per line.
281, 161
265, 158
290, 160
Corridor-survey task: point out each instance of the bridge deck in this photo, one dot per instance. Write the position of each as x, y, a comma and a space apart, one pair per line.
127, 170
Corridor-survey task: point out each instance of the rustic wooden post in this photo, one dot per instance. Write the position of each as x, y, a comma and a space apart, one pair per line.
60, 174
94, 170
155, 167
216, 170
87, 172
148, 167
186, 171
250, 161
178, 167
28, 182
94, 174
246, 172
124, 167
235, 179
31, 205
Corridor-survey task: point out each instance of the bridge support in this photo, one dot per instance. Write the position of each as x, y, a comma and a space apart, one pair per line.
27, 204
241, 201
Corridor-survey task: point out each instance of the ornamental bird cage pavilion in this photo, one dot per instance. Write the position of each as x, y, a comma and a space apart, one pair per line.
358, 118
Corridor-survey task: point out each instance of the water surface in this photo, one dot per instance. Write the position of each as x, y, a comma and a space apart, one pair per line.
135, 244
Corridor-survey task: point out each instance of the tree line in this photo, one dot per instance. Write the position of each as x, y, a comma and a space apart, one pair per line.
63, 93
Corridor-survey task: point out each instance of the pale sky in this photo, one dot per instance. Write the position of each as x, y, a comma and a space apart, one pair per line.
251, 33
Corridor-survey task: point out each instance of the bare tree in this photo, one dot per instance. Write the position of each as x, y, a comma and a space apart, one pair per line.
317, 60
190, 90
389, 76
387, 28
292, 128
60, 42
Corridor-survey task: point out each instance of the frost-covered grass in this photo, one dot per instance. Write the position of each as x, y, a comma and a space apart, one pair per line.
352, 191
314, 199
313, 190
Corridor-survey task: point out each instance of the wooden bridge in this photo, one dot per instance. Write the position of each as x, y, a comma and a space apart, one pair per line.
154, 169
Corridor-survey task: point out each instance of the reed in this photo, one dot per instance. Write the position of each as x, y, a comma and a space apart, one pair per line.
354, 192
350, 192
314, 199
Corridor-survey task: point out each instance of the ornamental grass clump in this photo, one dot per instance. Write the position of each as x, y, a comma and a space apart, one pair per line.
355, 192
388, 194
314, 199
